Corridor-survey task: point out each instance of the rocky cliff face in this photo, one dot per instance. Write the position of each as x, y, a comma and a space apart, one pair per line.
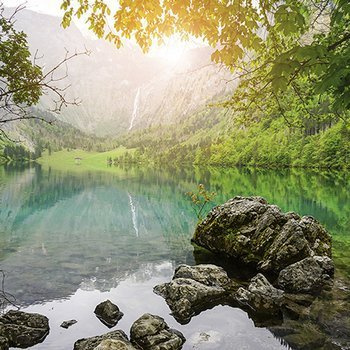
108, 81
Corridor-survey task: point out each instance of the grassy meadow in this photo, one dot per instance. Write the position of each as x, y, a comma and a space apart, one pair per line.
67, 160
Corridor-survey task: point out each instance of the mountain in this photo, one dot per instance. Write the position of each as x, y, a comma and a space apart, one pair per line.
175, 95
122, 90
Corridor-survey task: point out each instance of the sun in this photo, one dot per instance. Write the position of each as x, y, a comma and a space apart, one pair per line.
172, 51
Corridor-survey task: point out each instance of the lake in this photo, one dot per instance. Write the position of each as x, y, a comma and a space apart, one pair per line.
69, 240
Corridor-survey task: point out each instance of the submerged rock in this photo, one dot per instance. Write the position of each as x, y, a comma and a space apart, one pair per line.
151, 332
259, 234
194, 289
108, 313
114, 344
115, 340
67, 324
306, 276
261, 296
23, 329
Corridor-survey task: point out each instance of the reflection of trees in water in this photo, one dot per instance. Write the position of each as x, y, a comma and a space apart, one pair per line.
321, 194
164, 217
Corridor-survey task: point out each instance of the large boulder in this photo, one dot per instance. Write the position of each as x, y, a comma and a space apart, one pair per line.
116, 340
260, 296
151, 332
306, 276
108, 313
257, 233
194, 289
22, 329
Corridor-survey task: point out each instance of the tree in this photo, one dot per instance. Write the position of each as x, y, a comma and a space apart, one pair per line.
273, 46
200, 200
22, 79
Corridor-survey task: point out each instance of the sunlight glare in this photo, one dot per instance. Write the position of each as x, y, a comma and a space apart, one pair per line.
172, 51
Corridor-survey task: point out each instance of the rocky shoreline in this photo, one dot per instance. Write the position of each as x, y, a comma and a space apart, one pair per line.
292, 284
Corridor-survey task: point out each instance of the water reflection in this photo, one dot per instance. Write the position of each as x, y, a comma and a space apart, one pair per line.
69, 240
218, 328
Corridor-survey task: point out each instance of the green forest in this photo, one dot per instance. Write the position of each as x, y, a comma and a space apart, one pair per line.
210, 138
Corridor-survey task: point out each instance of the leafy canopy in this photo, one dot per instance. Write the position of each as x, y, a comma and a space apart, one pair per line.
272, 45
19, 76
22, 80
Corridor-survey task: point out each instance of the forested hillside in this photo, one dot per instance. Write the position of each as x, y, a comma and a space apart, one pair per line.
216, 136
31, 137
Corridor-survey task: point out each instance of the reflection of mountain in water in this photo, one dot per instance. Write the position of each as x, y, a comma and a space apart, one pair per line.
65, 230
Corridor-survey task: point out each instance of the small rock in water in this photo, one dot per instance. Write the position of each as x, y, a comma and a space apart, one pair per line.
209, 338
204, 336
116, 340
67, 324
108, 313
194, 289
22, 329
151, 332
261, 296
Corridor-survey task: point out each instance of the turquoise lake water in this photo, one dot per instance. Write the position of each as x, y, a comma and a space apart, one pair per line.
71, 240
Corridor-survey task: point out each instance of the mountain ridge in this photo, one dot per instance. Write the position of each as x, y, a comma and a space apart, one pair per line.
107, 81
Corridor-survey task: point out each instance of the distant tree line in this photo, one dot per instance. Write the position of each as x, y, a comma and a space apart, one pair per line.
17, 152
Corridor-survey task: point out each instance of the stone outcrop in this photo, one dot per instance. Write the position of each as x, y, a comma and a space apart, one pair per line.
151, 332
116, 340
194, 289
21, 330
108, 313
256, 233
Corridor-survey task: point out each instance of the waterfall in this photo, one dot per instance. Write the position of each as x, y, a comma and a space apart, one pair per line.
136, 108
133, 215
